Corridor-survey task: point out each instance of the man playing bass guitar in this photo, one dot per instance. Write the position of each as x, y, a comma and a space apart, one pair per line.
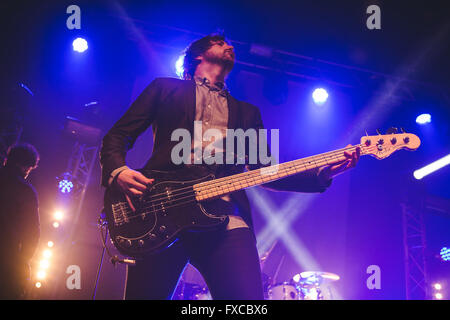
227, 256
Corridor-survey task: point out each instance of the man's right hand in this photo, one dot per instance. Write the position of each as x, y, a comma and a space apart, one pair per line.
133, 184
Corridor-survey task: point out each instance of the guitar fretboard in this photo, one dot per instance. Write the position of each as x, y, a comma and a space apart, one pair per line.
218, 187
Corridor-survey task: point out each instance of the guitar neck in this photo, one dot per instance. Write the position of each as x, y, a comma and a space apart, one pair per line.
222, 186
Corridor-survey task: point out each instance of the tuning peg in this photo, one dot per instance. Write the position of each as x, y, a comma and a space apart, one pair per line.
391, 130
378, 131
403, 130
366, 133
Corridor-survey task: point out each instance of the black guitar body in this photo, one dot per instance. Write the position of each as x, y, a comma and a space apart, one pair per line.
165, 210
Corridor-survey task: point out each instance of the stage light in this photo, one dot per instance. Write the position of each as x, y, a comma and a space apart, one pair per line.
38, 284
47, 254
65, 186
437, 286
56, 224
50, 244
432, 167
44, 264
79, 45
179, 66
438, 296
41, 274
424, 118
320, 96
445, 254
58, 215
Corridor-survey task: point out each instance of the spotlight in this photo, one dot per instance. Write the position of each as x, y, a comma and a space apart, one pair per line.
56, 224
50, 244
47, 253
79, 45
445, 254
41, 275
437, 286
432, 167
38, 284
65, 186
179, 66
58, 215
320, 96
44, 264
438, 296
424, 118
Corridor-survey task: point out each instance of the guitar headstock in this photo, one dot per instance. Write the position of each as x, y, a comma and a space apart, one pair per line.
382, 146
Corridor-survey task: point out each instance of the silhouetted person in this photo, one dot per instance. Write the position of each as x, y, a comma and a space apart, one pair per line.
19, 220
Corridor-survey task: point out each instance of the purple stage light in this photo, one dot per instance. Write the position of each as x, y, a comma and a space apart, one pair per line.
65, 186
179, 66
445, 254
320, 96
79, 45
424, 118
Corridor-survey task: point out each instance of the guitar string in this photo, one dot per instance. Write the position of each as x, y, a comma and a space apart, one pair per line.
189, 196
162, 208
193, 195
171, 201
293, 163
209, 184
231, 178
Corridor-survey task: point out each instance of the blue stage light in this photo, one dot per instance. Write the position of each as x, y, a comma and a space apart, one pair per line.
424, 118
432, 167
179, 66
320, 96
65, 186
80, 45
445, 254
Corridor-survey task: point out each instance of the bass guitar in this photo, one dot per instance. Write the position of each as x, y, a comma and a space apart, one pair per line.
176, 201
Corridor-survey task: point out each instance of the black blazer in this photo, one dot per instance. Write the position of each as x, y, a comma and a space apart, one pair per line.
168, 104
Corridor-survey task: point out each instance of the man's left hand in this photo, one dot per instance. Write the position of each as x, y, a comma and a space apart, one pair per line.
351, 160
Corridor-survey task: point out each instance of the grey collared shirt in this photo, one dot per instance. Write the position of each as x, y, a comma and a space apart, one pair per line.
212, 110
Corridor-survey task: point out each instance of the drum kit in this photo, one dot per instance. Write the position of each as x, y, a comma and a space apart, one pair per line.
307, 285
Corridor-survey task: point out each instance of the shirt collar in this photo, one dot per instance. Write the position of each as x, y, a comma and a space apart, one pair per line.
220, 87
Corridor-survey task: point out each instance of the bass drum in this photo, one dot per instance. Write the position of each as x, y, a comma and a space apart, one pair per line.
283, 291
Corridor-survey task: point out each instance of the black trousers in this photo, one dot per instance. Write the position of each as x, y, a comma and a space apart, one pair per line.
227, 259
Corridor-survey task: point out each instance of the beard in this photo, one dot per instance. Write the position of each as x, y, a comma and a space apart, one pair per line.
226, 60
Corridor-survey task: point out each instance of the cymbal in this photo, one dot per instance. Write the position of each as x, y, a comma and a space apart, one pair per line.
315, 277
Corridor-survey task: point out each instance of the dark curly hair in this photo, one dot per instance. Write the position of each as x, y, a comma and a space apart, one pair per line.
196, 49
23, 154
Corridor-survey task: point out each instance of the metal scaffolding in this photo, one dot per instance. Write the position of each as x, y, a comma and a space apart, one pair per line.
80, 165
414, 243
79, 169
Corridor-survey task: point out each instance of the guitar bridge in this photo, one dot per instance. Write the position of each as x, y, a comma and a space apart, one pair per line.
119, 213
